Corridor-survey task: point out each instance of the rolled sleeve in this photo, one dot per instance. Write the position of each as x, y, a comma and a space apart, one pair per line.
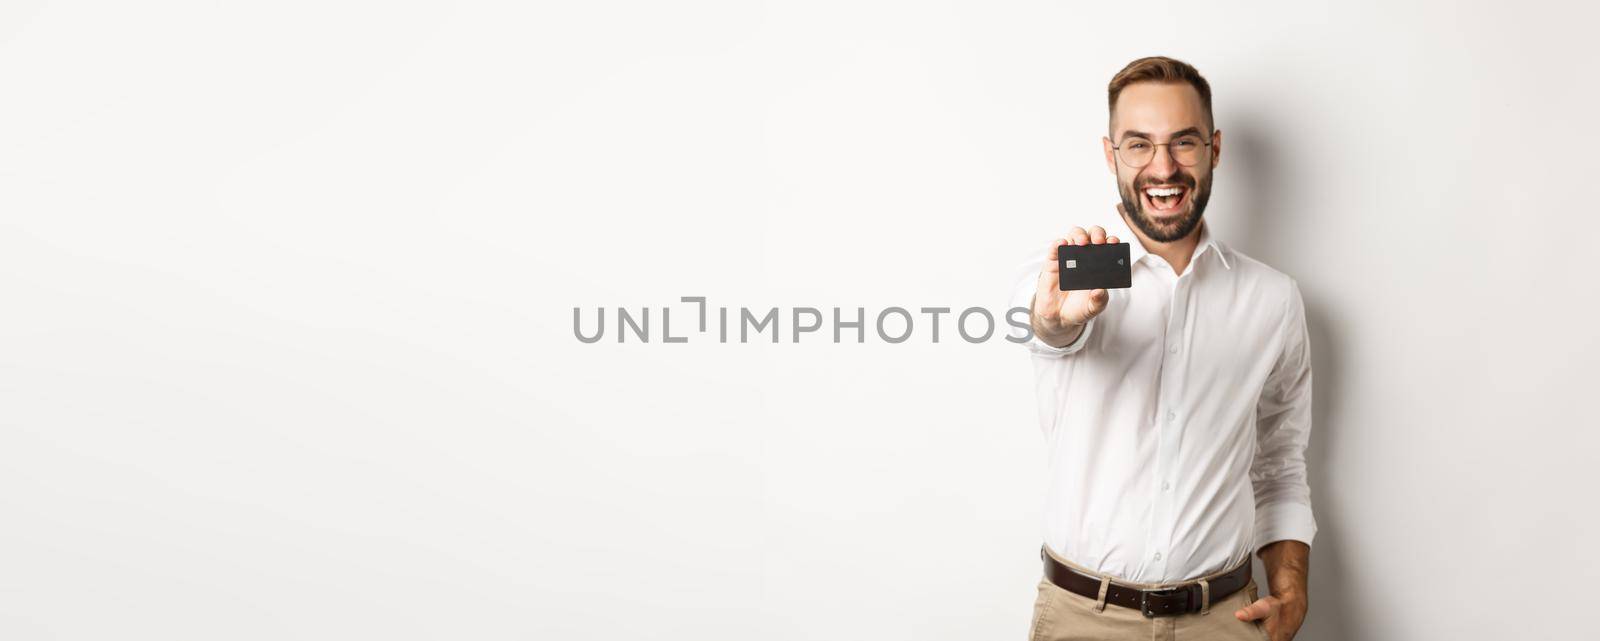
1042, 348
1283, 430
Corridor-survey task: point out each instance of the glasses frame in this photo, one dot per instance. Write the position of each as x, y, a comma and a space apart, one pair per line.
1118, 149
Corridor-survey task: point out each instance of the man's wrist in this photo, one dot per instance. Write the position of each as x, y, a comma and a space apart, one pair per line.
1288, 569
1054, 334
1058, 337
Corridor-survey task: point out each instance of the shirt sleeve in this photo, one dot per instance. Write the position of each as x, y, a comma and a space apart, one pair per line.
1022, 293
1283, 430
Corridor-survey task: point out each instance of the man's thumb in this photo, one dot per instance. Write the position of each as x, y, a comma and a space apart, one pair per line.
1098, 299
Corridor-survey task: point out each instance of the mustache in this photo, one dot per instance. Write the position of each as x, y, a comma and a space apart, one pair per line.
1180, 179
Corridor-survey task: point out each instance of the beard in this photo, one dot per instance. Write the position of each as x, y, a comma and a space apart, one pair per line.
1166, 231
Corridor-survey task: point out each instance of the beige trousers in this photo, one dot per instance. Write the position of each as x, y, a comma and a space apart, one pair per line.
1059, 615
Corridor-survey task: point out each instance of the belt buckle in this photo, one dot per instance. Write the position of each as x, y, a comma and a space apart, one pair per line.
1144, 599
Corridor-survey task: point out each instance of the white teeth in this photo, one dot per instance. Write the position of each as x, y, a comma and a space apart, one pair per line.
1170, 191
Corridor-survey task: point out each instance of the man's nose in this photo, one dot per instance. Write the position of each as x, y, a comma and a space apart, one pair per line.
1162, 163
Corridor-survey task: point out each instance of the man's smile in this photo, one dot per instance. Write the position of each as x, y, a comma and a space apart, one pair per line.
1166, 199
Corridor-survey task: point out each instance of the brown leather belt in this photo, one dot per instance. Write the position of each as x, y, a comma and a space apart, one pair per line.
1171, 601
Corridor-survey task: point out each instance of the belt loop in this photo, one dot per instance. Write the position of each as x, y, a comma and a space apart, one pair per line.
1205, 596
1100, 601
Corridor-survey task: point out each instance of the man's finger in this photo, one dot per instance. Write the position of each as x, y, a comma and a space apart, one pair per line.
1097, 234
1112, 239
1262, 608
1055, 252
1078, 236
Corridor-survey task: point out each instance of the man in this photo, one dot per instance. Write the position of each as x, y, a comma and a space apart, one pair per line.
1176, 412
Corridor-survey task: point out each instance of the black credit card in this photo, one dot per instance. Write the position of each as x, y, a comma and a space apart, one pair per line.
1103, 266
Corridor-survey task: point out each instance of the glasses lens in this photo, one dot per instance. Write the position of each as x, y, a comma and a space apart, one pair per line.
1187, 150
1136, 152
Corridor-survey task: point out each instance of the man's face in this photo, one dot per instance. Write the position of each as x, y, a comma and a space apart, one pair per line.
1160, 113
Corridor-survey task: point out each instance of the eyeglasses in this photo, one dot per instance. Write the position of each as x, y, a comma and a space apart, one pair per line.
1138, 151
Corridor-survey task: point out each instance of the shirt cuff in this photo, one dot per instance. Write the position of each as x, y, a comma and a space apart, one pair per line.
1045, 349
1284, 522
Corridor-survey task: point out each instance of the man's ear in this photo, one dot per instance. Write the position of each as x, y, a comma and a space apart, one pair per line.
1216, 148
1111, 155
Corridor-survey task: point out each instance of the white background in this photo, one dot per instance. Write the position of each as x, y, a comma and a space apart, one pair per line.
286, 341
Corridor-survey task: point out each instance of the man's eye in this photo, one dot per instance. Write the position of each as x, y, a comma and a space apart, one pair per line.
1138, 145
1186, 144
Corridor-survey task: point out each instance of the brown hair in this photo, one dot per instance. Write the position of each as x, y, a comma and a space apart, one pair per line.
1159, 69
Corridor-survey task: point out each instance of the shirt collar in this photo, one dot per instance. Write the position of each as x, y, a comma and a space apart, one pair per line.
1136, 250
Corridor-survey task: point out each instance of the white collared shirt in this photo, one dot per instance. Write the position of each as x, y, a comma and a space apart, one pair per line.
1176, 424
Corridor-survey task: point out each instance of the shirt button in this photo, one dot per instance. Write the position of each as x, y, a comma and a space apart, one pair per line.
1173, 349
1158, 556
1165, 486
1170, 416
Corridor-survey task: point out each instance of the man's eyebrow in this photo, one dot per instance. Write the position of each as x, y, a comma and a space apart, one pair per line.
1181, 132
